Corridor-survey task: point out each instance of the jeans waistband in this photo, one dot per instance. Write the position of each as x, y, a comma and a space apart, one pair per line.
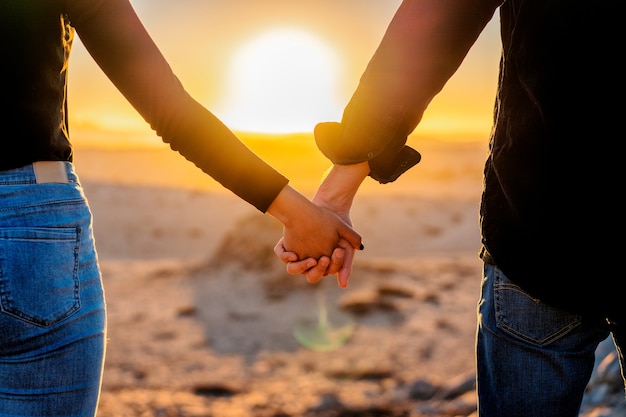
40, 172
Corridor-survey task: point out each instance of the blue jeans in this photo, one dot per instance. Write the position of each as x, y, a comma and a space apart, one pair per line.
52, 310
533, 360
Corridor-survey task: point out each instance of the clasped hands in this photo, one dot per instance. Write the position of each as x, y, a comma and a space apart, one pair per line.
316, 266
325, 243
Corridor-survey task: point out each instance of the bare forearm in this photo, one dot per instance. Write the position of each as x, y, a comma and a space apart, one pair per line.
285, 204
338, 189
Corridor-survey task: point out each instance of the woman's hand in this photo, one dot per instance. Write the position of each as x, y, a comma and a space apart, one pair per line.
310, 231
336, 194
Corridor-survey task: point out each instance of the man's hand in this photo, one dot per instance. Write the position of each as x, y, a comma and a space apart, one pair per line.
316, 269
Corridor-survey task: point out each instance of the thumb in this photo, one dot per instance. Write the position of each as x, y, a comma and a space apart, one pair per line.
350, 235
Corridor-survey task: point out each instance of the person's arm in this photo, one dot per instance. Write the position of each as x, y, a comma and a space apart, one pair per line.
339, 187
424, 45
115, 37
337, 193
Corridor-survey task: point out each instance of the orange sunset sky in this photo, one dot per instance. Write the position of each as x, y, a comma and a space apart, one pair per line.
274, 66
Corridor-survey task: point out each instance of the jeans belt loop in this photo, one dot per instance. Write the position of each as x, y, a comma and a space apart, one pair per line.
50, 172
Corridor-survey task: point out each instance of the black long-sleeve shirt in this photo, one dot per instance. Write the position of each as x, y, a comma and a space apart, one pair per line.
36, 43
551, 217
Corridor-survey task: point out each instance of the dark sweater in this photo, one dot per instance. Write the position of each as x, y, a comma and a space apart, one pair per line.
550, 216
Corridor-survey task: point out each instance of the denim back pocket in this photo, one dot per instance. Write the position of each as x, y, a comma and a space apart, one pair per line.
39, 273
527, 318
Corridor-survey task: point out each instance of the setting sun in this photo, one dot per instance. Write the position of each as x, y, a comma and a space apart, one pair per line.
281, 81
279, 70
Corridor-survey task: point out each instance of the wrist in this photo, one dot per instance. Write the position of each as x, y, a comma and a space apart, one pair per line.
287, 202
341, 185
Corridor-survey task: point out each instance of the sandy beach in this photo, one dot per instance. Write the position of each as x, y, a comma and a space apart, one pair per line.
204, 321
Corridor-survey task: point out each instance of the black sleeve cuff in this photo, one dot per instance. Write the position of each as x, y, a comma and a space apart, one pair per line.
386, 165
386, 168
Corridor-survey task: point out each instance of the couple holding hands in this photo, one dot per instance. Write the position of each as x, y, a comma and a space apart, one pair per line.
550, 291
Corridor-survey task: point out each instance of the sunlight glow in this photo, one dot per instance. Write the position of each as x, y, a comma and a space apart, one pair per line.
281, 81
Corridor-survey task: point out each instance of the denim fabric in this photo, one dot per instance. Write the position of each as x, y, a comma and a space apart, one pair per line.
533, 360
52, 309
